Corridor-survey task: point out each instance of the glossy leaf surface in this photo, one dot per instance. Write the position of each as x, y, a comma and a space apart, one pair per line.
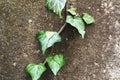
47, 39
55, 62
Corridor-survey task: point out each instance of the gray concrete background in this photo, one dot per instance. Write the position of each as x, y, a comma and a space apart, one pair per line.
97, 57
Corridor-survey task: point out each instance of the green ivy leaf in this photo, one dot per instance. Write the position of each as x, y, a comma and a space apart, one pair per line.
35, 71
47, 39
55, 62
78, 23
72, 11
56, 5
88, 18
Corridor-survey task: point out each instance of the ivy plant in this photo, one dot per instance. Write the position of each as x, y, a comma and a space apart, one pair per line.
48, 38
56, 5
78, 23
55, 62
36, 70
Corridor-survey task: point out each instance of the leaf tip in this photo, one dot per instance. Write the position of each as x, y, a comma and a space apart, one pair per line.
72, 10
88, 18
55, 73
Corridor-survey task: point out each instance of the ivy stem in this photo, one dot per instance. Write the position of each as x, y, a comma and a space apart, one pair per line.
66, 13
45, 62
62, 28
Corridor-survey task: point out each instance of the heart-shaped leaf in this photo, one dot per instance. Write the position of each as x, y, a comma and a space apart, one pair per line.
88, 18
55, 62
47, 39
56, 5
78, 23
72, 11
35, 71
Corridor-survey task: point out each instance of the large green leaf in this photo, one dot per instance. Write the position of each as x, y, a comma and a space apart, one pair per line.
47, 39
78, 23
55, 62
56, 5
72, 11
88, 18
35, 71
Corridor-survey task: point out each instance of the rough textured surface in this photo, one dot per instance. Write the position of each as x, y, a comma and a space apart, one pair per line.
97, 57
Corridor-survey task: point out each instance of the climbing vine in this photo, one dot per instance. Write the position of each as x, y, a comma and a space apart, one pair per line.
48, 38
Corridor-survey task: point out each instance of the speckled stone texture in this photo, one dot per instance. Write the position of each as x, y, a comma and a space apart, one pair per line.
97, 57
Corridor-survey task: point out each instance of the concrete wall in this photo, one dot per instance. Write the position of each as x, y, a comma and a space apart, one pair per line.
97, 57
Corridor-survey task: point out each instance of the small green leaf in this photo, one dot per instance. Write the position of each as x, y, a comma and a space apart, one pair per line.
78, 23
88, 18
55, 62
56, 5
47, 39
35, 71
72, 11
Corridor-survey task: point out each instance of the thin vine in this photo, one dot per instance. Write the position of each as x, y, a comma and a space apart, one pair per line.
48, 38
